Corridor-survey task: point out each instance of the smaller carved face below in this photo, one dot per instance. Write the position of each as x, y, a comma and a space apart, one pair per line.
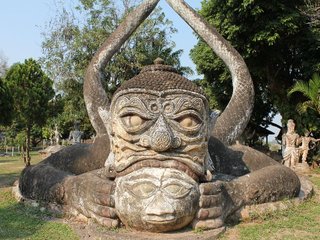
156, 199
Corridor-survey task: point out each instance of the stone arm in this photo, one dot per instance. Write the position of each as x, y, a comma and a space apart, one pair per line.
298, 140
283, 142
256, 179
74, 177
315, 140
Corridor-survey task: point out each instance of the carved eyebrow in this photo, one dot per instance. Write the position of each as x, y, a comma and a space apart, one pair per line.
142, 176
196, 104
177, 176
135, 102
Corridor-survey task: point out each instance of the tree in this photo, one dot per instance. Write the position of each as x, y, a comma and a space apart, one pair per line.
312, 10
309, 107
31, 90
5, 96
277, 43
3, 65
69, 45
310, 90
5, 104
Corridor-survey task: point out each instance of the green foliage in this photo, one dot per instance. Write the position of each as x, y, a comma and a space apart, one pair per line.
72, 38
31, 90
277, 43
5, 104
310, 90
308, 108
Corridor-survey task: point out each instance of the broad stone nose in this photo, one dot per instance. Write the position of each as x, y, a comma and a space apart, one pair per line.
160, 207
162, 137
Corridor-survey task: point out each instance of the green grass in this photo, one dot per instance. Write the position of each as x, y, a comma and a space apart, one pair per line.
18, 221
299, 222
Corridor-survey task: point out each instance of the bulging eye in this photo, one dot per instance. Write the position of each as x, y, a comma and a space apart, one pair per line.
176, 191
189, 122
132, 121
142, 189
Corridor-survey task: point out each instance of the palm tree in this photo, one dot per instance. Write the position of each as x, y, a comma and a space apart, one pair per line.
311, 90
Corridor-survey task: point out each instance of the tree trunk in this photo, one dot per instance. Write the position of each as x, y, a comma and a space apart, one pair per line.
27, 155
23, 153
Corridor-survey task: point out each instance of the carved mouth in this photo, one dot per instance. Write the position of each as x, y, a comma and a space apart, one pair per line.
162, 219
168, 163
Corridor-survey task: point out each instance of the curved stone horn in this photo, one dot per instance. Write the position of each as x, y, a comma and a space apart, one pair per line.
236, 115
94, 95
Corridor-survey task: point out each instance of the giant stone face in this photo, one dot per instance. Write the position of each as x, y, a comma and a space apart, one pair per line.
160, 126
159, 135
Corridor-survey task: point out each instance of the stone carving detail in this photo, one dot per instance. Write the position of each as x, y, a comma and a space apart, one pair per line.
160, 146
164, 125
291, 149
290, 142
304, 148
156, 199
57, 135
75, 135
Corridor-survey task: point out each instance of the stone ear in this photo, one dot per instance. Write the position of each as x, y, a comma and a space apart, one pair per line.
213, 117
105, 116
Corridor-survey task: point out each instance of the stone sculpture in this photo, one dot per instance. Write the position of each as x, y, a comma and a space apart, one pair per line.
75, 135
290, 142
167, 166
304, 148
57, 135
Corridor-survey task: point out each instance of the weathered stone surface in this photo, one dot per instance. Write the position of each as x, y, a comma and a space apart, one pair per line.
290, 142
156, 199
50, 150
247, 212
165, 168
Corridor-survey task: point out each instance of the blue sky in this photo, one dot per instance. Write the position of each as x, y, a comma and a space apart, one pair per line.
21, 23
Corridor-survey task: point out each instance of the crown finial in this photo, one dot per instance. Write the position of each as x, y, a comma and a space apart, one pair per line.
158, 61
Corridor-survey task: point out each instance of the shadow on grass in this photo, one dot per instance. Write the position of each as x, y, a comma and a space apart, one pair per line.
7, 179
8, 160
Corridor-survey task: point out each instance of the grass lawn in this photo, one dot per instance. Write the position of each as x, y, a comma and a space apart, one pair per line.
18, 221
300, 222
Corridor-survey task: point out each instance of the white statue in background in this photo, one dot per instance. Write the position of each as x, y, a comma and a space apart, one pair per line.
75, 135
290, 143
304, 148
57, 135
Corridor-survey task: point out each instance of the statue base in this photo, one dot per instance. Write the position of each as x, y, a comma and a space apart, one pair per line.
87, 230
302, 168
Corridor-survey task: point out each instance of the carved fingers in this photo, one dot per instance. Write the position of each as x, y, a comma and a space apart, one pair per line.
105, 221
210, 214
91, 194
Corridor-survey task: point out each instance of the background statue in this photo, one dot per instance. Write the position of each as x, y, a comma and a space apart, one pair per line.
75, 135
167, 166
57, 135
304, 148
290, 142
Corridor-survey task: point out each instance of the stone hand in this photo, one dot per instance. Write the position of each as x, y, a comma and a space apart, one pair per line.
211, 206
91, 194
